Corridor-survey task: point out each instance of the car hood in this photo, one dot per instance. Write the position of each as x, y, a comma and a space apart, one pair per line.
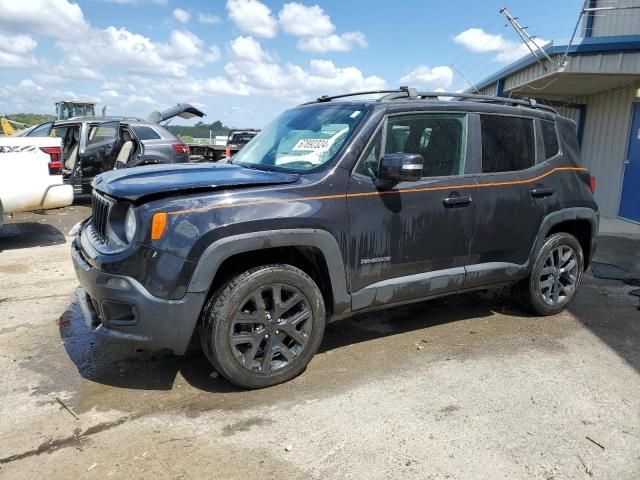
152, 180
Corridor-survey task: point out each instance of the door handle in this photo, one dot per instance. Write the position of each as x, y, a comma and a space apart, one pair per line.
455, 200
541, 191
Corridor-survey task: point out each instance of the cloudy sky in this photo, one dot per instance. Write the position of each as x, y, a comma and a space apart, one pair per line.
244, 61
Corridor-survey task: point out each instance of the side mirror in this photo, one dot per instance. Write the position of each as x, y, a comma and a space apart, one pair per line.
400, 167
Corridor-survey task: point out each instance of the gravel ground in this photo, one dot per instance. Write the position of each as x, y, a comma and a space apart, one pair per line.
457, 388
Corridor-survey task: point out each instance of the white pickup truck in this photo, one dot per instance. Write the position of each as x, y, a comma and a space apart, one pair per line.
31, 177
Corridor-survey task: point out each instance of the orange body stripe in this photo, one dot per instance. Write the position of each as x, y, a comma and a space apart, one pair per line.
383, 192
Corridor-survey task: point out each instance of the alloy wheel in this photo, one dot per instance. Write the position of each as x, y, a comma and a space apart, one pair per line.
559, 275
271, 328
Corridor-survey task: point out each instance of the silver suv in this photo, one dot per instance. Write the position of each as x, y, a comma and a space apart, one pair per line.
92, 145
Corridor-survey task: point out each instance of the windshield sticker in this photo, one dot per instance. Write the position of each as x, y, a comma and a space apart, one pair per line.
355, 114
313, 144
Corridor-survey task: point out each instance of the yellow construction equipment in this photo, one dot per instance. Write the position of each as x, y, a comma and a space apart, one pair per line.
6, 128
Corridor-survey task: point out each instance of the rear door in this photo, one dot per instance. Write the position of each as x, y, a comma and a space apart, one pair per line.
512, 199
99, 144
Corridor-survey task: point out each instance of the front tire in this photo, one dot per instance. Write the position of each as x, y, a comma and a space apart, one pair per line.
555, 276
263, 326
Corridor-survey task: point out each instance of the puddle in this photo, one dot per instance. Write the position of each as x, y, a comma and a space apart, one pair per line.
353, 352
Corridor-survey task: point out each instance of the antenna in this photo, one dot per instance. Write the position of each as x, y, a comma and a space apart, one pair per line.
465, 77
526, 38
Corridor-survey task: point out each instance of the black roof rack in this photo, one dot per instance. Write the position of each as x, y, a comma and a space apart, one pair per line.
412, 94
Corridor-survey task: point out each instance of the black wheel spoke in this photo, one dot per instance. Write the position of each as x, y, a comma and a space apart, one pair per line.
296, 335
271, 328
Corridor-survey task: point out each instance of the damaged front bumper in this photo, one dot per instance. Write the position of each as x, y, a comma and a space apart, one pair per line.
119, 308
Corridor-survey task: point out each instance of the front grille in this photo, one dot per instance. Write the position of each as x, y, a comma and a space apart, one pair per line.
100, 207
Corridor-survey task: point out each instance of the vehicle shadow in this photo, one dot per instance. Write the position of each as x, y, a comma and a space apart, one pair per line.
29, 234
120, 366
611, 314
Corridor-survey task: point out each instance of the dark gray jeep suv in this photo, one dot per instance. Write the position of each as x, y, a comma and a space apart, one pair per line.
336, 208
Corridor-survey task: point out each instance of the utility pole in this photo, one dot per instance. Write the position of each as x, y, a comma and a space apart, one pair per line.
526, 38
465, 77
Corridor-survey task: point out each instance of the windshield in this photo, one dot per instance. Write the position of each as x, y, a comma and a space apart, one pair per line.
302, 138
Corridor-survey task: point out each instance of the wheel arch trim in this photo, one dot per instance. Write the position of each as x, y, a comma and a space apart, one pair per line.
564, 215
216, 253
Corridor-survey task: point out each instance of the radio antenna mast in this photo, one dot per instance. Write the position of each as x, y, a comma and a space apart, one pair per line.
528, 40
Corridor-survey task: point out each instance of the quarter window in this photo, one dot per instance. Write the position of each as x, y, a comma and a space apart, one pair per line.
507, 143
146, 133
368, 165
550, 138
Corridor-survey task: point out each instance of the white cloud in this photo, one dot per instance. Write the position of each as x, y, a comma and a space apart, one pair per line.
248, 48
138, 2
16, 50
256, 72
507, 51
53, 18
333, 43
137, 54
209, 18
303, 21
436, 78
253, 17
181, 15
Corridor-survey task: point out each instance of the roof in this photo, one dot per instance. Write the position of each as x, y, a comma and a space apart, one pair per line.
79, 102
102, 119
586, 46
461, 100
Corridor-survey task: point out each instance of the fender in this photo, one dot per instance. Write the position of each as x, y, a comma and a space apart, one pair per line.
553, 219
220, 250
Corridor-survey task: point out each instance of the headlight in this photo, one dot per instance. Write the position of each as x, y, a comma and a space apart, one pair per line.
130, 224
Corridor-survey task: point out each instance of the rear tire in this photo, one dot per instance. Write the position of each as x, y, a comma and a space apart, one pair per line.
263, 326
555, 276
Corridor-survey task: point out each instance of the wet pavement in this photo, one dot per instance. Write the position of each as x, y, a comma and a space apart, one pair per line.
462, 387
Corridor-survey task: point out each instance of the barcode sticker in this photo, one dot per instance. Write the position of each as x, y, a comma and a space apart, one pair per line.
312, 144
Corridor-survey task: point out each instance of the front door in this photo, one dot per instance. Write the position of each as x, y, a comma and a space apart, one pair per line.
99, 146
411, 240
630, 198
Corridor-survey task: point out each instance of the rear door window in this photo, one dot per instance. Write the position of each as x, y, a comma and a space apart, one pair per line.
550, 138
102, 132
508, 143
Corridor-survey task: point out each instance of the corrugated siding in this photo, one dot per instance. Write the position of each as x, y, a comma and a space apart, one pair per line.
604, 143
488, 90
615, 22
532, 72
568, 112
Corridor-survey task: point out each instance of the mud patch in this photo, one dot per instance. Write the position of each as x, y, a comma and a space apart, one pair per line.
244, 425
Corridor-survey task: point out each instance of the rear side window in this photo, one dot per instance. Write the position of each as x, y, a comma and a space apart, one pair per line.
145, 133
550, 138
507, 143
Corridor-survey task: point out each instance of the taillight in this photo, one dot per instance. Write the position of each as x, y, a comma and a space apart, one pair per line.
227, 152
592, 184
55, 163
181, 148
